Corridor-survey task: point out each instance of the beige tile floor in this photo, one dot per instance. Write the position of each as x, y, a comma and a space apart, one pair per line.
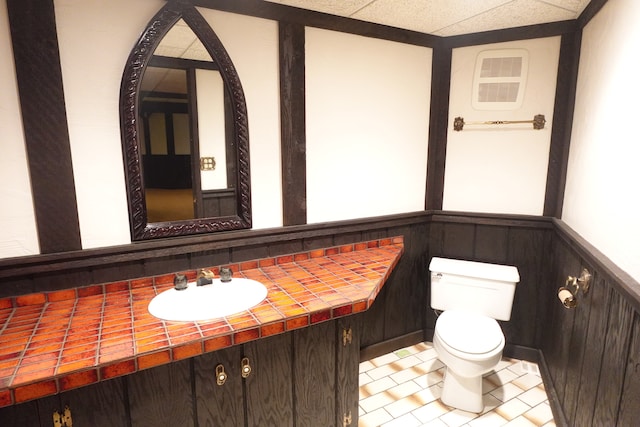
402, 389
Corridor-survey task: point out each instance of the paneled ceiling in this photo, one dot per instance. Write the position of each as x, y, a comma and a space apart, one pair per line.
448, 17
437, 17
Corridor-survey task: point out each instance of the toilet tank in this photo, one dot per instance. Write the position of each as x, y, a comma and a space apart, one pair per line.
476, 287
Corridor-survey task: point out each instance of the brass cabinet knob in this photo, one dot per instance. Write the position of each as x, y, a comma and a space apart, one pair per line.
245, 367
221, 375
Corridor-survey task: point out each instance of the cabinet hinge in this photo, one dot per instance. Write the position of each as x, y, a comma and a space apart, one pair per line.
63, 419
347, 336
346, 419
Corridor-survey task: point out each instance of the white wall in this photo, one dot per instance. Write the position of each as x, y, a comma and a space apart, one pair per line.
252, 44
17, 221
500, 169
95, 39
367, 111
602, 195
211, 127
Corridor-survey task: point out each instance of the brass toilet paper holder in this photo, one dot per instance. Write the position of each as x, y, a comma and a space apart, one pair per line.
568, 293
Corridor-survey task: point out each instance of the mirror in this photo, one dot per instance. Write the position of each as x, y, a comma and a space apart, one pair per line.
184, 130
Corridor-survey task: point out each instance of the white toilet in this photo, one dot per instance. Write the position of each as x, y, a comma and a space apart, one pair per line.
467, 338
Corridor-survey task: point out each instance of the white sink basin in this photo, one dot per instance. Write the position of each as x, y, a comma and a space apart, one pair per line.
206, 302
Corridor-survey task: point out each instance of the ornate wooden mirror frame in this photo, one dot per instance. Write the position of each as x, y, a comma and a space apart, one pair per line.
134, 70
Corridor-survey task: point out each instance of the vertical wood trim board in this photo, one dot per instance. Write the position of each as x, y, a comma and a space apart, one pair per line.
292, 122
39, 78
438, 123
563, 108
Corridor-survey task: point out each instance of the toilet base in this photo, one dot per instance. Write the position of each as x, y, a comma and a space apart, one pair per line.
462, 392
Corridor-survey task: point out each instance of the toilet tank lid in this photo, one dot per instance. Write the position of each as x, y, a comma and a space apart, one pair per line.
481, 270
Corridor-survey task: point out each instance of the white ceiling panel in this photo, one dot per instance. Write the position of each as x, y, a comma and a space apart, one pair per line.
576, 6
524, 12
448, 17
333, 7
181, 42
425, 16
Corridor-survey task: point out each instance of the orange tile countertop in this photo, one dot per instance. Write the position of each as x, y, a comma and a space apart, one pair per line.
57, 341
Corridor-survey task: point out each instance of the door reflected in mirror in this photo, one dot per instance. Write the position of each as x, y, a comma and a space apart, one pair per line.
182, 112
184, 129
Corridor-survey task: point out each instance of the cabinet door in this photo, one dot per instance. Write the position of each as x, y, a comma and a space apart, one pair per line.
268, 388
314, 378
161, 396
24, 415
347, 368
101, 404
219, 405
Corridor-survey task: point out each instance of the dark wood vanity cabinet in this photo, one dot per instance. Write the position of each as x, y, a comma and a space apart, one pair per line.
306, 377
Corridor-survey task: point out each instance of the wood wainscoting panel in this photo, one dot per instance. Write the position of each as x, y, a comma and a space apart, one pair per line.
614, 361
629, 412
558, 321
587, 383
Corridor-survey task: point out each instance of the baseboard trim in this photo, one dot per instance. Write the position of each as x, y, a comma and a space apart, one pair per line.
522, 353
384, 347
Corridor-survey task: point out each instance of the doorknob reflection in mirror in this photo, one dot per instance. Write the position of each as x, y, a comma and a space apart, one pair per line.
207, 163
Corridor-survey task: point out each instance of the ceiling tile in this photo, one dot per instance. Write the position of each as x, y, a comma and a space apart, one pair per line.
516, 13
181, 42
576, 6
333, 7
448, 17
424, 16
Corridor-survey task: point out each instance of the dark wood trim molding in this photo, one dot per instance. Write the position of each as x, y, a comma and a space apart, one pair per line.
44, 118
438, 124
563, 108
20, 267
589, 12
292, 124
510, 34
309, 18
393, 344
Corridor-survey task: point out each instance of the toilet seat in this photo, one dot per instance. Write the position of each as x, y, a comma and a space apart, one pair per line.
469, 333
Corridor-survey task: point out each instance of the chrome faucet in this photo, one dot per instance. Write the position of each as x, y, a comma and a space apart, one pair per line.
225, 274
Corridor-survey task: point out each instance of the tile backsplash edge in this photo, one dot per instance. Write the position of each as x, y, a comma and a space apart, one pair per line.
39, 298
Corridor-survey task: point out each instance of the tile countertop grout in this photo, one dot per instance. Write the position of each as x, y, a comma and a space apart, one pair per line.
57, 341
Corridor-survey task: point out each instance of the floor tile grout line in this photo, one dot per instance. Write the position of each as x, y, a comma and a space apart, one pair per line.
507, 364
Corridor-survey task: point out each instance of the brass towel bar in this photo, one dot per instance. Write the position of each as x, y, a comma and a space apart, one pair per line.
538, 122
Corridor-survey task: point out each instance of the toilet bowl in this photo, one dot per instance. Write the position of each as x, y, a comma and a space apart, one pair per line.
469, 345
468, 339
